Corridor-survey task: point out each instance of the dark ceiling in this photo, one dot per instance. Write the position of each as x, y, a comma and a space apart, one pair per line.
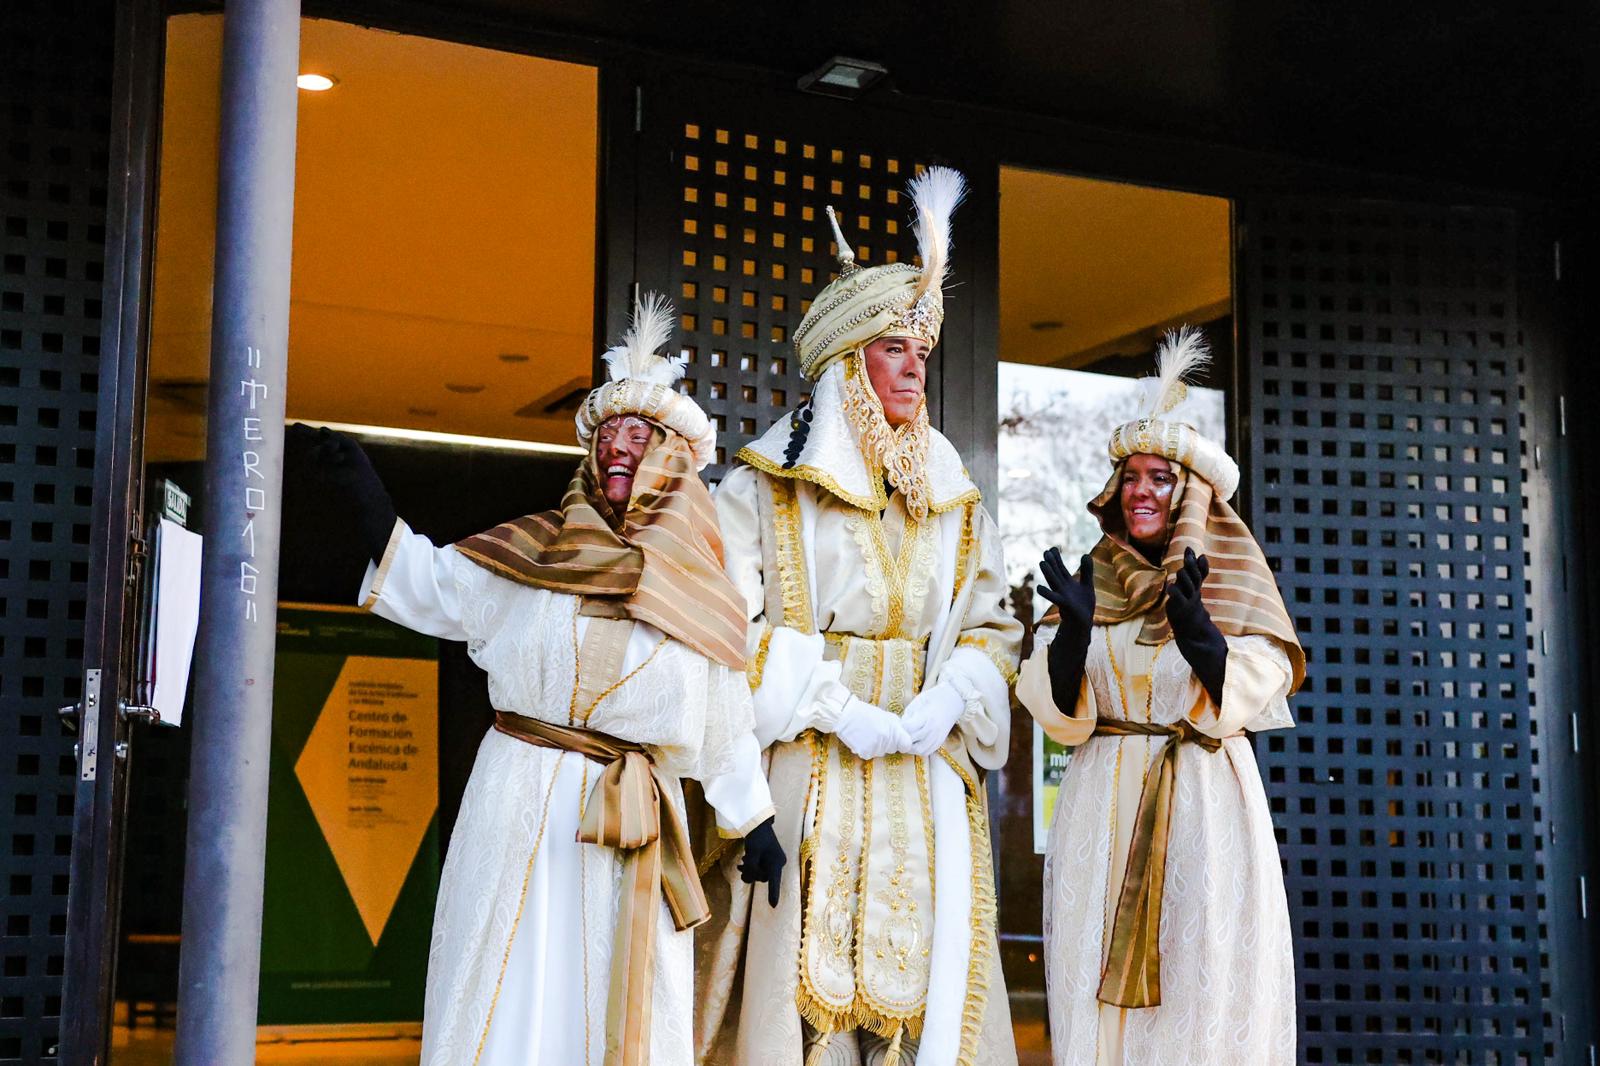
1494, 95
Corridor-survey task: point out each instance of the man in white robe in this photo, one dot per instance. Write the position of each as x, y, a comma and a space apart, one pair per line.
614, 648
881, 664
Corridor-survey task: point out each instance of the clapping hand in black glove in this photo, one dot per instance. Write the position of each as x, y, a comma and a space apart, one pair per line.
340, 467
1070, 648
763, 860
1198, 637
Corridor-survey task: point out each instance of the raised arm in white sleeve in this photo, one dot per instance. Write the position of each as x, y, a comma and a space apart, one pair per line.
1254, 692
414, 584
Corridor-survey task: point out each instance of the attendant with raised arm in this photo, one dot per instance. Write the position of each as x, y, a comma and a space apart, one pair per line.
615, 649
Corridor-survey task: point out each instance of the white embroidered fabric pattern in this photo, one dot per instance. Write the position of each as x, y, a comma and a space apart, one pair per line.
1227, 966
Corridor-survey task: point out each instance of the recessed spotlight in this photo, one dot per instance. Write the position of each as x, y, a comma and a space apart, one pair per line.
1045, 325
316, 83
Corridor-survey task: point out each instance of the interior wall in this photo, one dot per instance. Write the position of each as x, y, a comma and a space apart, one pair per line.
1092, 270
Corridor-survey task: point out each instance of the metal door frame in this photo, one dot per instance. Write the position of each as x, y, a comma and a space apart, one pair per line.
100, 799
1559, 634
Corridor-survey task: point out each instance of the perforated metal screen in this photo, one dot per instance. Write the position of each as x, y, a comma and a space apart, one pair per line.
54, 95
1385, 483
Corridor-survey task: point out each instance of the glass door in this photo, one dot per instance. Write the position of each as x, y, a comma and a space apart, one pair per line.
1091, 274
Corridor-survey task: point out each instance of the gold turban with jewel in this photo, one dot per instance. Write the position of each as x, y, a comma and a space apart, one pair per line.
895, 299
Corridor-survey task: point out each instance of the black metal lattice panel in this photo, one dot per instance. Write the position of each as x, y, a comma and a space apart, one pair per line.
733, 228
54, 97
1385, 484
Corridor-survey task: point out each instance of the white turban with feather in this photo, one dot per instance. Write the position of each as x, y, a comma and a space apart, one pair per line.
1167, 425
644, 383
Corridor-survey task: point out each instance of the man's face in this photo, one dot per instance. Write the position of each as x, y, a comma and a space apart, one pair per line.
1147, 484
897, 368
619, 445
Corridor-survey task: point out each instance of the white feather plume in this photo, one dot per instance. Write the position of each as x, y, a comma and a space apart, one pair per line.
636, 358
1183, 353
936, 193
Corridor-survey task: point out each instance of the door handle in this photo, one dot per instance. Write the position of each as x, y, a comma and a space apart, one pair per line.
138, 712
82, 718
72, 713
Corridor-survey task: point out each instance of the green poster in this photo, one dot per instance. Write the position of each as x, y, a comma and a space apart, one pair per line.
352, 828
1049, 767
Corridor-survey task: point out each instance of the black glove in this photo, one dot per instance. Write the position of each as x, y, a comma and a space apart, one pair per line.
1070, 648
763, 860
1198, 637
340, 468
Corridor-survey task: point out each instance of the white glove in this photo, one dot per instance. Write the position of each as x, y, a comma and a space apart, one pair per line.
870, 731
931, 716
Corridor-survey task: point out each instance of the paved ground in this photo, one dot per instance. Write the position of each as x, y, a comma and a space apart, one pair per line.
153, 1047
145, 1046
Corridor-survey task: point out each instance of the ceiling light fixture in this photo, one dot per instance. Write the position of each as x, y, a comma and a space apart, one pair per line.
455, 440
843, 77
316, 83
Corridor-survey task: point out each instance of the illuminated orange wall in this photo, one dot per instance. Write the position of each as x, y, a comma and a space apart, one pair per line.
444, 219
1110, 262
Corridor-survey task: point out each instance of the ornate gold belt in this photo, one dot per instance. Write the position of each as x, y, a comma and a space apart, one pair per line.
884, 671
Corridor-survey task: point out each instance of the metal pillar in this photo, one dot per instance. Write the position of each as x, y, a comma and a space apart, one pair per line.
219, 972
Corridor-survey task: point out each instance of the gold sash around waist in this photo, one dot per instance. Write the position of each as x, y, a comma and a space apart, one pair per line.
1132, 975
879, 669
629, 809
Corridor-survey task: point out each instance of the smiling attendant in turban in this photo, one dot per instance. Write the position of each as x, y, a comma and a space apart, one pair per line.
1166, 927
615, 647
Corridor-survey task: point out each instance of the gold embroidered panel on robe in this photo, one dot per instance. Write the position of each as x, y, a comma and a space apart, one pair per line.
868, 875
873, 585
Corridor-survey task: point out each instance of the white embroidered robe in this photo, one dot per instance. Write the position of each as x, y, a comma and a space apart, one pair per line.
970, 642
520, 958
1227, 965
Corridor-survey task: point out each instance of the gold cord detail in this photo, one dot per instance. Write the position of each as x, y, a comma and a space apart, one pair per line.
758, 665
573, 717
527, 875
